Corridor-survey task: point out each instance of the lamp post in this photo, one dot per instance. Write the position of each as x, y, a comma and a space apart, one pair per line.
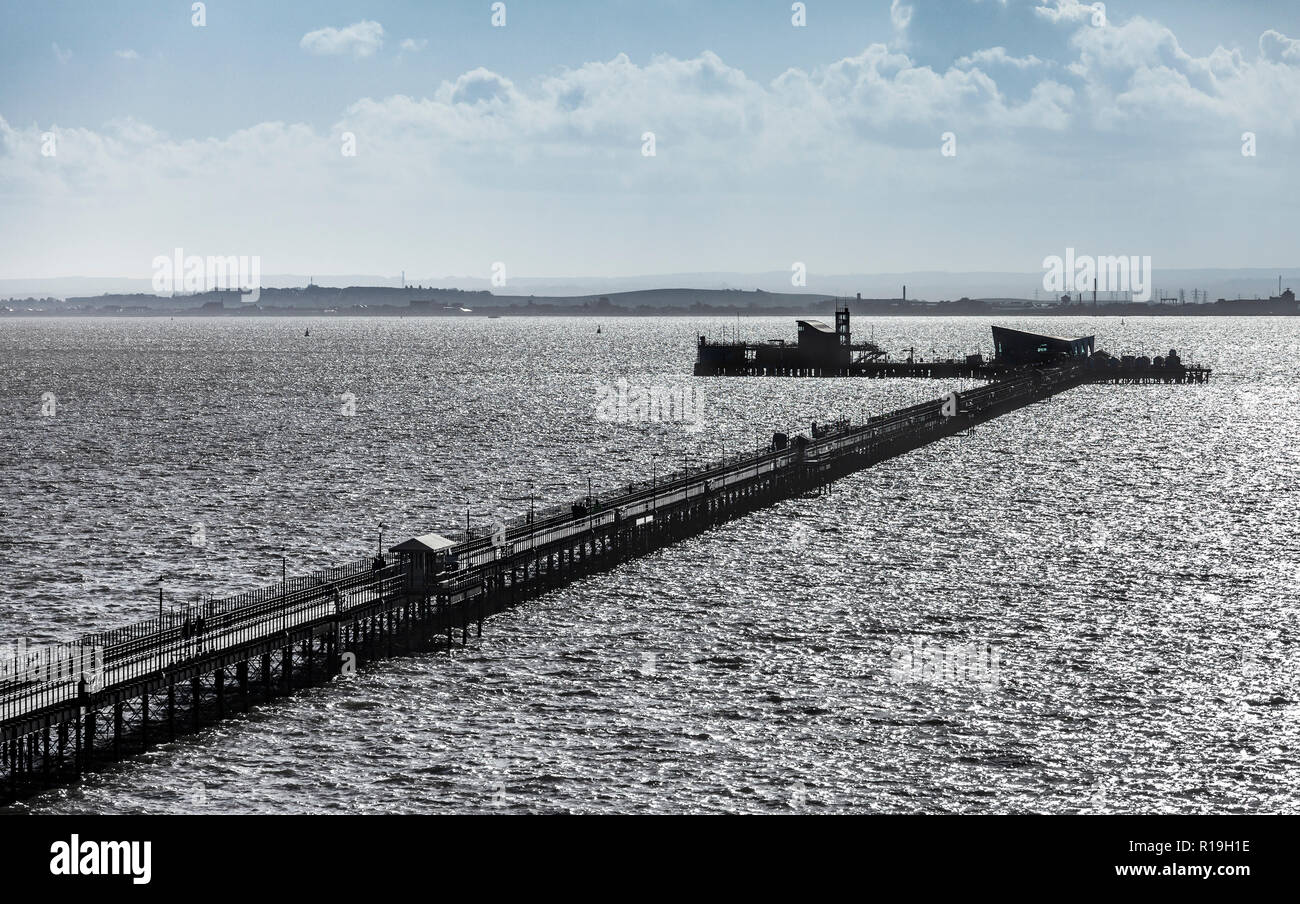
654, 483
382, 525
284, 590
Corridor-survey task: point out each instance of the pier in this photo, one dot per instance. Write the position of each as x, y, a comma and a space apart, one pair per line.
820, 351
1129, 369
69, 709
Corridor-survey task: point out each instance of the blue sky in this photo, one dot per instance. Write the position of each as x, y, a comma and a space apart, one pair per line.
523, 144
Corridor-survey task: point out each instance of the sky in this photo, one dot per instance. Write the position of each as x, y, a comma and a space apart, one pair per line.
880, 136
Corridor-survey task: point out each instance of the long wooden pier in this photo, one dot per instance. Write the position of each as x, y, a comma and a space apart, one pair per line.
72, 708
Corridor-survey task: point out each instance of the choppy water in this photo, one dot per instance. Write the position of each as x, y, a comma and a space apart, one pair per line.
1128, 554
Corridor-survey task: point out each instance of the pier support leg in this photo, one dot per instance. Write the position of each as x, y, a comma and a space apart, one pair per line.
62, 755
45, 758
196, 698
88, 758
241, 675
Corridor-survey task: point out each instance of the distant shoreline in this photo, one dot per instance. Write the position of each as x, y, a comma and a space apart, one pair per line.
420, 301
1200, 310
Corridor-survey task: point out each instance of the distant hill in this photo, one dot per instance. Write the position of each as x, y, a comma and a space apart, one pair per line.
932, 285
351, 298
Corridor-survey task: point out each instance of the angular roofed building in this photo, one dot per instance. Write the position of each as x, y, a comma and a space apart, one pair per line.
1019, 347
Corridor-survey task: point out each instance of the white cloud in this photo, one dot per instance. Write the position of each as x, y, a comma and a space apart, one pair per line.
60, 54
126, 54
714, 117
900, 15
1278, 47
1066, 11
413, 45
361, 39
716, 127
1137, 73
997, 56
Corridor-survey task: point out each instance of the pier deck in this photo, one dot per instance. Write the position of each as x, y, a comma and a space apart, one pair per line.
69, 709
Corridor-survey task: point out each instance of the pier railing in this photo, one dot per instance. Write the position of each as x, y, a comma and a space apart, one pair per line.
33, 678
